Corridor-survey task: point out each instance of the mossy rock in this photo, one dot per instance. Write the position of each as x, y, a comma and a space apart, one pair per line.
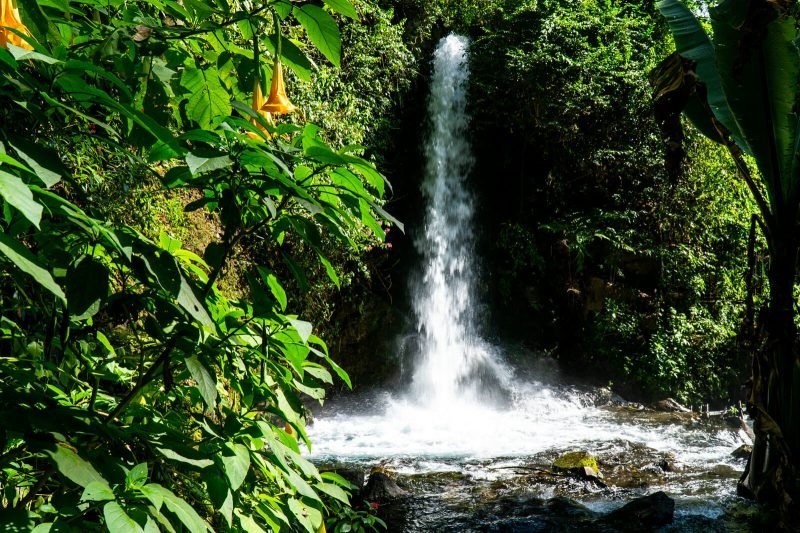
579, 463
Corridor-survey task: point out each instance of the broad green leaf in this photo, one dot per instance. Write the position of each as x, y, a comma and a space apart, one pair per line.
137, 476
220, 494
339, 480
206, 383
97, 491
86, 286
45, 162
322, 31
23, 54
158, 495
106, 343
237, 463
343, 7
117, 521
16, 193
7, 159
339, 372
309, 517
175, 456
302, 327
25, 261
208, 98
692, 42
291, 56
151, 526
248, 524
329, 270
200, 165
318, 372
762, 91
189, 301
334, 491
274, 286
166, 242
72, 466
283, 8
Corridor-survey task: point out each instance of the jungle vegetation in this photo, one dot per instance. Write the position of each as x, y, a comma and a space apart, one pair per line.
183, 274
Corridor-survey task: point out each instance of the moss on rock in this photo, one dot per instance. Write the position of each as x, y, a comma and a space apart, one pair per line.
576, 462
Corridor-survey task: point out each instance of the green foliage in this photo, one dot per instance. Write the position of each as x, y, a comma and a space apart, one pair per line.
359, 103
742, 79
134, 393
634, 272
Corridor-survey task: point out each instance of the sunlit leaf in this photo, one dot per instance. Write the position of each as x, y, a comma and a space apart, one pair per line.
322, 30
16, 193
206, 383
72, 466
117, 521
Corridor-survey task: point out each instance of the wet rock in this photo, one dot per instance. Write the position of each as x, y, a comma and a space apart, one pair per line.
381, 488
724, 471
581, 464
668, 463
669, 405
742, 452
603, 396
642, 514
564, 507
633, 465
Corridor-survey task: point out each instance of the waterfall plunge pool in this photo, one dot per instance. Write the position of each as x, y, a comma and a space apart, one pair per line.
472, 467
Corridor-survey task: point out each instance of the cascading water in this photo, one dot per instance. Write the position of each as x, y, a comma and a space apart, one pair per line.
450, 419
454, 363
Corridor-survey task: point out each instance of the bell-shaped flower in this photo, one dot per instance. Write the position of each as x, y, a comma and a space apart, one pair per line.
277, 102
9, 18
258, 103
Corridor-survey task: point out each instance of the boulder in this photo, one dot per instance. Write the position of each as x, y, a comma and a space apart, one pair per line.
669, 405
668, 463
642, 514
381, 488
581, 464
742, 452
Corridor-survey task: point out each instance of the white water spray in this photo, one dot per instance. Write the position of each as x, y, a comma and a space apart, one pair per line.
454, 363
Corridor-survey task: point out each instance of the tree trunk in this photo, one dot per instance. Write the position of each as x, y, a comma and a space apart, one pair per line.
771, 473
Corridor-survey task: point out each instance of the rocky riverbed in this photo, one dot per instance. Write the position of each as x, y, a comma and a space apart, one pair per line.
647, 470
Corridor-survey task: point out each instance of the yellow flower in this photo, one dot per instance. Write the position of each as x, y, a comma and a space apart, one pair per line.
278, 102
258, 103
9, 18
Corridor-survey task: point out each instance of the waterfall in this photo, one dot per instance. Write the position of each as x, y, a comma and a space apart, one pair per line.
454, 363
466, 411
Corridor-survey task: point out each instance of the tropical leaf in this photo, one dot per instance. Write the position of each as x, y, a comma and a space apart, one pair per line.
322, 30
26, 262
206, 383
16, 193
343, 7
692, 42
761, 85
72, 466
208, 98
117, 521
